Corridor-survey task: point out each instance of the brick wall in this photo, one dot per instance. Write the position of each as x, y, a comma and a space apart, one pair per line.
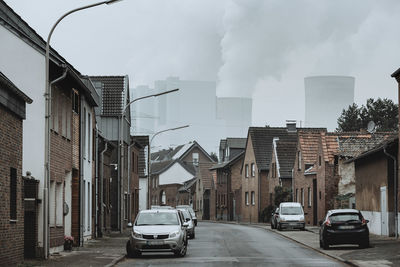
11, 233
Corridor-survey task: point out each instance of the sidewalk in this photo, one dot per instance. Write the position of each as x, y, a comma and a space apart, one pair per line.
106, 251
383, 251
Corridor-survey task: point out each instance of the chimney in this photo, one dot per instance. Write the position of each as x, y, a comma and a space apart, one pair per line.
291, 126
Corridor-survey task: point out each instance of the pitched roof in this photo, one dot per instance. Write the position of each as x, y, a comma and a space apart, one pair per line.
188, 184
309, 143
386, 143
286, 154
234, 142
112, 93
228, 163
14, 89
262, 138
206, 175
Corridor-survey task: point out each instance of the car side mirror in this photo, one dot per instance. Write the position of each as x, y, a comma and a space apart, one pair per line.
187, 219
320, 223
185, 224
129, 225
366, 221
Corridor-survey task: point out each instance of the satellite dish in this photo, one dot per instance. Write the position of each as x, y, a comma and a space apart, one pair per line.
371, 127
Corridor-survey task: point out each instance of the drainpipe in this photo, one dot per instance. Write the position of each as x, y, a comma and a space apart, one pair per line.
101, 187
96, 163
46, 204
394, 191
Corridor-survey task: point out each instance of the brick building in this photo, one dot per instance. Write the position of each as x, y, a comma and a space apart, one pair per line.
256, 167
228, 172
12, 113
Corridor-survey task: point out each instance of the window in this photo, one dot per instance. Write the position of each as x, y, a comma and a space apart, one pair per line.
246, 197
309, 196
299, 160
253, 170
253, 198
319, 160
59, 204
247, 171
68, 117
89, 135
52, 203
75, 101
302, 197
163, 197
195, 157
13, 194
55, 107
63, 107
320, 195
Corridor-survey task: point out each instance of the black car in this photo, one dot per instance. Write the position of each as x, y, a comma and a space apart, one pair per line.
344, 226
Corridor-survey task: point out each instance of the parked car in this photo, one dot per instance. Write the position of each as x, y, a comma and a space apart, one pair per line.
190, 209
343, 226
275, 214
188, 219
162, 207
290, 216
158, 230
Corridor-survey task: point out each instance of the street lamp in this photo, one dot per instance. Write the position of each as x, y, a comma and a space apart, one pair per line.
47, 95
149, 159
121, 141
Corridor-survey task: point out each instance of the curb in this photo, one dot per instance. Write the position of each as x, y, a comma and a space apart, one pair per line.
116, 261
315, 249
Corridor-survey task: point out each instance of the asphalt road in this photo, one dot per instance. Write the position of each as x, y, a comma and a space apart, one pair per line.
236, 245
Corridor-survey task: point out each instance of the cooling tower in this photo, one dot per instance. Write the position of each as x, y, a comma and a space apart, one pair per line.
325, 98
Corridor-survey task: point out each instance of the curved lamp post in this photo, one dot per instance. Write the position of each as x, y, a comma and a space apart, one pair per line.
47, 95
149, 159
121, 154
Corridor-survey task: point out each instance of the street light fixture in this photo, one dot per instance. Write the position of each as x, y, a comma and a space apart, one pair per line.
47, 95
149, 159
120, 142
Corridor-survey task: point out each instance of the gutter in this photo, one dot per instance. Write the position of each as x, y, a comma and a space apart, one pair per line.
395, 189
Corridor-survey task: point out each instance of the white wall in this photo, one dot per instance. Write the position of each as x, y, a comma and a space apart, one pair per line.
142, 193
88, 171
176, 174
374, 224
24, 66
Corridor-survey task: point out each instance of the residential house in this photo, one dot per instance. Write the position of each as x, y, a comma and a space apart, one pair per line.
281, 165
256, 167
171, 168
204, 204
228, 171
23, 58
376, 193
112, 117
12, 217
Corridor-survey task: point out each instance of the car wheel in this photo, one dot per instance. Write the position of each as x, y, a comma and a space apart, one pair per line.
364, 244
130, 252
325, 245
279, 227
182, 251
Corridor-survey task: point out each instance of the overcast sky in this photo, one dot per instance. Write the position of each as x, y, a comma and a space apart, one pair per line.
253, 48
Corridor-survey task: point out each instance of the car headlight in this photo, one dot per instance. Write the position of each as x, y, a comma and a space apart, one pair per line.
137, 235
174, 234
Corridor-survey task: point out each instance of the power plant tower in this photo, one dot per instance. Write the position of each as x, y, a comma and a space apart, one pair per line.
325, 99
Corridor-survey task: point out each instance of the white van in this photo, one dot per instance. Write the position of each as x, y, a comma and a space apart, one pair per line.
291, 215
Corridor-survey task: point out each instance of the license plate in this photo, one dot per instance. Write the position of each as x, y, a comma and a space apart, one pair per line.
155, 243
292, 224
346, 227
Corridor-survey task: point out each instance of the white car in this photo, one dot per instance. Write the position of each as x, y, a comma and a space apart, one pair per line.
159, 230
290, 216
189, 220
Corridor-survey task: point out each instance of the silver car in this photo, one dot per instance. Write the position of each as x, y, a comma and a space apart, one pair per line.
158, 231
190, 224
190, 209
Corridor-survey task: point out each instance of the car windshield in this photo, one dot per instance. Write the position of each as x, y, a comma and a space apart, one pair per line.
344, 217
291, 211
191, 211
157, 218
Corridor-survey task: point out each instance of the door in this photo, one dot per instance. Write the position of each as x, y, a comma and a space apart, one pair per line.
315, 203
384, 217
